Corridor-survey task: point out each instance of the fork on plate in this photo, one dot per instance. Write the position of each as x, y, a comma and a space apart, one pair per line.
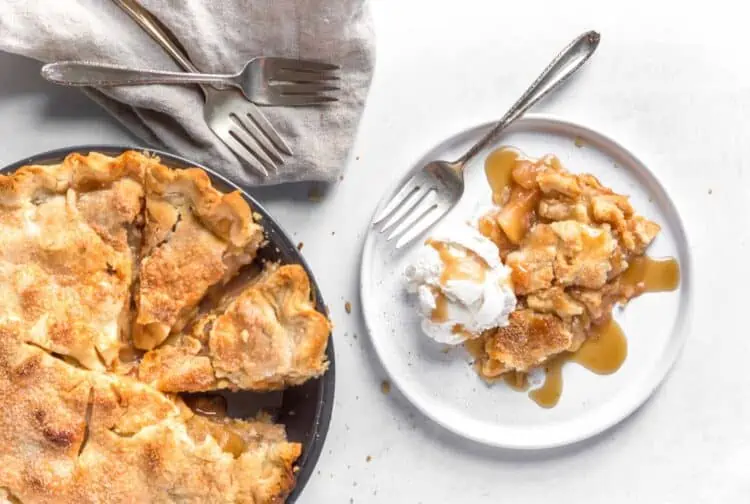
264, 80
436, 187
237, 122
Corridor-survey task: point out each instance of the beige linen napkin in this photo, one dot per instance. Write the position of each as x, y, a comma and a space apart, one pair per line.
219, 36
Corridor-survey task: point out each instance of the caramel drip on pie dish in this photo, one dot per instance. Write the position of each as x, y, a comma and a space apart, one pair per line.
576, 248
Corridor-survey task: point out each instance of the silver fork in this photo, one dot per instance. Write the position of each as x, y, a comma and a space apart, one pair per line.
263, 80
236, 121
436, 188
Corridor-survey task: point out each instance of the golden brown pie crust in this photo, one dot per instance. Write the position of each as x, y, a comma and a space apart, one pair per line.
99, 253
195, 237
268, 338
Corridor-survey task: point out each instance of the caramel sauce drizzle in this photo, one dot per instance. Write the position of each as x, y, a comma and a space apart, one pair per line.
458, 264
657, 275
440, 313
602, 353
606, 348
499, 170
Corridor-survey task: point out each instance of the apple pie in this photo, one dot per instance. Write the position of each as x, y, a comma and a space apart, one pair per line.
267, 338
567, 240
104, 265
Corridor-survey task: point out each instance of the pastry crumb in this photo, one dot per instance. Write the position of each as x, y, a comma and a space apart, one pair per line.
300, 245
578, 141
314, 194
348, 307
385, 387
368, 458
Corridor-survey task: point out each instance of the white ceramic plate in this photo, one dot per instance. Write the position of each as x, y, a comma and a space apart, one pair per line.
445, 387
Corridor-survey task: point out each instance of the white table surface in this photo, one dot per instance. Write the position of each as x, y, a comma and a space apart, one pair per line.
671, 81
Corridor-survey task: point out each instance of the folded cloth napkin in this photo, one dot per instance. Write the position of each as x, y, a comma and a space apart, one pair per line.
219, 37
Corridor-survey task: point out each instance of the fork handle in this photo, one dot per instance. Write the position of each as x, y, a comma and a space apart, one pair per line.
73, 73
559, 70
154, 28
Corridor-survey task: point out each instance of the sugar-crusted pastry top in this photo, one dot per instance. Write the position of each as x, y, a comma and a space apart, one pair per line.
103, 258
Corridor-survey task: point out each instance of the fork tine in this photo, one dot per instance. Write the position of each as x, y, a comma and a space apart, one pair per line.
409, 187
297, 76
426, 204
406, 207
423, 224
258, 137
251, 142
308, 88
245, 155
267, 128
301, 100
304, 65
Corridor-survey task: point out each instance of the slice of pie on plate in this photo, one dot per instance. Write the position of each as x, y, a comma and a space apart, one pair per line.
266, 338
567, 240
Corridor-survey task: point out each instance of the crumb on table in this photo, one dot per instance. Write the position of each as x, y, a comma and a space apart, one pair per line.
348, 307
314, 194
385, 387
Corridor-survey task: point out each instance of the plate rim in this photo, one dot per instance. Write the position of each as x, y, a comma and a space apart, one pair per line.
663, 367
324, 408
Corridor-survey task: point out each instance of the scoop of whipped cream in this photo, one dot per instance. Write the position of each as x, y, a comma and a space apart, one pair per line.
461, 284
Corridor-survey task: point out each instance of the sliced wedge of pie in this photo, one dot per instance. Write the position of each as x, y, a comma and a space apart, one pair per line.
267, 338
195, 238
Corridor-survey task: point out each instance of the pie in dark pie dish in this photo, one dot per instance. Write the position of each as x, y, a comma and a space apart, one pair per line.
105, 262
